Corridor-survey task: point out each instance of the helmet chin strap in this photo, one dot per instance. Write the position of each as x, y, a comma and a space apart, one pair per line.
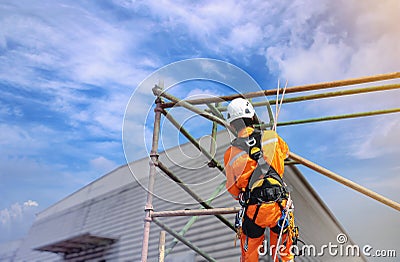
256, 121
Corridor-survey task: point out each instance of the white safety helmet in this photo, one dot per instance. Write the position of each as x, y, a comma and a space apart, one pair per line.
239, 108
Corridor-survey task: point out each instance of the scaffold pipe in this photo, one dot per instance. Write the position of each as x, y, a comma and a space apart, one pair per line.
161, 247
192, 193
159, 92
345, 181
193, 140
196, 212
184, 240
295, 89
328, 118
354, 91
152, 172
193, 219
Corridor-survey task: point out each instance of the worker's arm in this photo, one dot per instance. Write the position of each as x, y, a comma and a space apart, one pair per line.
238, 172
283, 147
230, 185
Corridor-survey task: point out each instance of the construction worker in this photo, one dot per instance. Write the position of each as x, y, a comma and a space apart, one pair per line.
254, 165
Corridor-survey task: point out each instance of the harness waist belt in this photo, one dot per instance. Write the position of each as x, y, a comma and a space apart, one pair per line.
267, 194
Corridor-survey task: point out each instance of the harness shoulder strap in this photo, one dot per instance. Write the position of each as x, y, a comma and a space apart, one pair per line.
253, 147
251, 144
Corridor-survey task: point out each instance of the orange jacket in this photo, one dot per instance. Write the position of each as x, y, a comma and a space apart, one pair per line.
239, 166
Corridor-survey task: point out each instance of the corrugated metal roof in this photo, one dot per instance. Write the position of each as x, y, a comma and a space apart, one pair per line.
113, 206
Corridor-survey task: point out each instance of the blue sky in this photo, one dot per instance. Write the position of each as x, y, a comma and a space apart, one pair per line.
69, 68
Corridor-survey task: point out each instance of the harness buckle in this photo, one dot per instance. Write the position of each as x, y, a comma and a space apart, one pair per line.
243, 198
283, 222
239, 218
251, 142
256, 155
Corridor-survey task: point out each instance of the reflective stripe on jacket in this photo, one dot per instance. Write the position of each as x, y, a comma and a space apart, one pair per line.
239, 166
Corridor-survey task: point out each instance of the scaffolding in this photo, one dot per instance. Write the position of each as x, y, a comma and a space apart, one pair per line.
214, 114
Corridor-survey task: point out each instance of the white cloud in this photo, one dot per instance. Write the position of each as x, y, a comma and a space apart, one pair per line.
54, 51
345, 39
16, 219
103, 117
299, 65
17, 212
31, 203
245, 36
74, 44
52, 36
217, 25
307, 41
201, 93
195, 17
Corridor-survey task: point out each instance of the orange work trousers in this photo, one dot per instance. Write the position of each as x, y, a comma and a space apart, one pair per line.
252, 237
254, 247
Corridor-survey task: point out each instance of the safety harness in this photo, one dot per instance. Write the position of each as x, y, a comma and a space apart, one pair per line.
261, 189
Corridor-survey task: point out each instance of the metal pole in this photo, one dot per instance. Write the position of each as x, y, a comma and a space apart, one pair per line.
354, 91
193, 140
152, 172
328, 118
192, 194
271, 115
345, 181
213, 145
291, 162
214, 130
196, 212
161, 247
325, 95
215, 111
184, 240
158, 91
295, 89
193, 219
213, 138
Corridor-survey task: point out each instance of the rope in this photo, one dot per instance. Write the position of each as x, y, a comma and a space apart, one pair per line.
276, 106
283, 95
288, 204
289, 201
278, 109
